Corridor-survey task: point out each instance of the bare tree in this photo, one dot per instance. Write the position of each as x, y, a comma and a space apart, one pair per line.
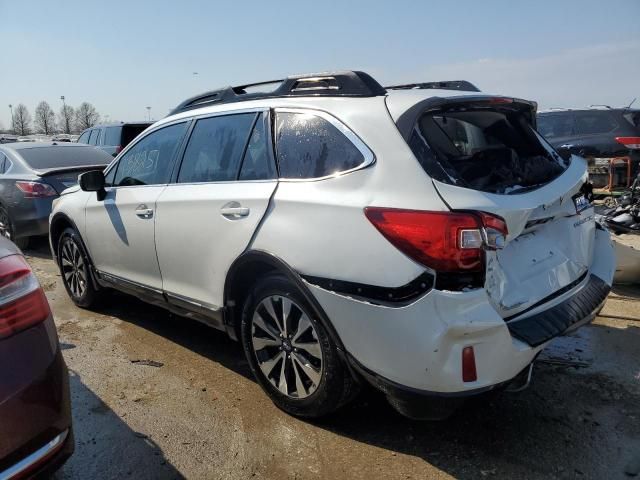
22, 120
86, 116
45, 118
65, 118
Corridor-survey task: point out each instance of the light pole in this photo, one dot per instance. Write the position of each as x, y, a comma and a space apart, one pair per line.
148, 113
13, 125
67, 127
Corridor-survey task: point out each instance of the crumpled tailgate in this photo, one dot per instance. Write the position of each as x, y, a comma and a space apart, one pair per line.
549, 246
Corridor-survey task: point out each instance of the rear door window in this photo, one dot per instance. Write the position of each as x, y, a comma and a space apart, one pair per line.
592, 123
309, 146
257, 163
3, 160
149, 161
215, 148
112, 136
555, 125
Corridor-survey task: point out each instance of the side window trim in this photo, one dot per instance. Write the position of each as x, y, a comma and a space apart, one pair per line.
116, 162
369, 157
194, 121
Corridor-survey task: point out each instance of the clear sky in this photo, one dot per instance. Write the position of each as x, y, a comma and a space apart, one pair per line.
125, 55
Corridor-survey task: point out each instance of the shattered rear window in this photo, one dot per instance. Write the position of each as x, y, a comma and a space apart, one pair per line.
490, 150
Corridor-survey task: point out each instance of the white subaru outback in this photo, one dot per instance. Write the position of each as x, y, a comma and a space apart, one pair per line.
424, 238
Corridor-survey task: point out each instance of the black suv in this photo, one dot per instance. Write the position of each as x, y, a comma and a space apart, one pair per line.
599, 134
113, 137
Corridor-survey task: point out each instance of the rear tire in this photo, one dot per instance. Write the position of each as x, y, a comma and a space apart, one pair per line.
7, 230
292, 356
75, 270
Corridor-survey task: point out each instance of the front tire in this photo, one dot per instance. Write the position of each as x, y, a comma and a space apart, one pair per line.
75, 270
290, 353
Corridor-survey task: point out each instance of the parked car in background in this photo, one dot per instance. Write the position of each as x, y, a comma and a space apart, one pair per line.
608, 137
8, 138
31, 176
420, 237
35, 412
113, 137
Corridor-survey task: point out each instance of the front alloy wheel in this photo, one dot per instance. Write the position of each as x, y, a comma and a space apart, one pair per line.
286, 346
74, 270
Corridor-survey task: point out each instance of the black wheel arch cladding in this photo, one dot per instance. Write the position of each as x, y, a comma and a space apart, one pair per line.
241, 276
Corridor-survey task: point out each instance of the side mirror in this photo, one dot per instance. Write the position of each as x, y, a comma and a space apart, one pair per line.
93, 181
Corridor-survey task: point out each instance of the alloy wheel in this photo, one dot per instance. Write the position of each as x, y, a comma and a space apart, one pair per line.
73, 268
286, 346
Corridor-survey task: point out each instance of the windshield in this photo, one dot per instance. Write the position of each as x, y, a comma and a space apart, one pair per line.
490, 150
63, 156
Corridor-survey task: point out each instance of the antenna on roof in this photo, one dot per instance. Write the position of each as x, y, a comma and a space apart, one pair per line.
632, 102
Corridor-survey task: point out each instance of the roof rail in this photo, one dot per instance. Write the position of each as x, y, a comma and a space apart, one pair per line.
600, 105
461, 85
334, 84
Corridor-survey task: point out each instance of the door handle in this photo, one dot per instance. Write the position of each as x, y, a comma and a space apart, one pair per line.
233, 211
144, 212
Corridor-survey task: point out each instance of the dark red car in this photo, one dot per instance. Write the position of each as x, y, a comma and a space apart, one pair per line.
36, 435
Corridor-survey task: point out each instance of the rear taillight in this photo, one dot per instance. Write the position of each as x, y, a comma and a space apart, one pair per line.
632, 143
36, 189
118, 149
443, 241
22, 301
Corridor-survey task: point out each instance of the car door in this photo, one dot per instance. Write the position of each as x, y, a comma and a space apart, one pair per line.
207, 217
120, 228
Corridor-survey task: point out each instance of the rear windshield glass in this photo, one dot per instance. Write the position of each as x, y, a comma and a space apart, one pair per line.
555, 125
489, 150
591, 123
129, 132
112, 136
60, 156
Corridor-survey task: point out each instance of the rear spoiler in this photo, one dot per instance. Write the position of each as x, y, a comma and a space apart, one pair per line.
85, 168
407, 121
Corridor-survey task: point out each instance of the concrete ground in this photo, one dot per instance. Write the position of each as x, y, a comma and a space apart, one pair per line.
201, 415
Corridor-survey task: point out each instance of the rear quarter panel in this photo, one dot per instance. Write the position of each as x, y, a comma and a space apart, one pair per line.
319, 227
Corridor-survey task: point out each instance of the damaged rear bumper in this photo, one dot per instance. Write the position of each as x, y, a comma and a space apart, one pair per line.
572, 313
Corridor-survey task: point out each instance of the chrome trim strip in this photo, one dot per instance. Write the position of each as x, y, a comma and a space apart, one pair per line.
369, 157
193, 302
116, 279
35, 457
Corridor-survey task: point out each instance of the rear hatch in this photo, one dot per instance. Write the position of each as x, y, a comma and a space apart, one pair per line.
483, 154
